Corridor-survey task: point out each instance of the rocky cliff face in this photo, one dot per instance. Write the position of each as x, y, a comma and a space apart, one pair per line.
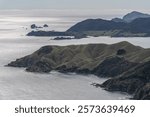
113, 66
134, 81
143, 93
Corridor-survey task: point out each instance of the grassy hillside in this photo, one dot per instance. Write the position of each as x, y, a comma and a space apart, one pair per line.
81, 56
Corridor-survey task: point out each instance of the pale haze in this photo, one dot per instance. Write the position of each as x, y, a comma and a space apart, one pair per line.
142, 5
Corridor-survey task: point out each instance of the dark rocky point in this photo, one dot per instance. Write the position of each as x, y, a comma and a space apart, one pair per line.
40, 67
135, 81
63, 38
33, 26
45, 25
143, 93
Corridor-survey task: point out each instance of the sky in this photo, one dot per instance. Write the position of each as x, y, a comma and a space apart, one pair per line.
76, 4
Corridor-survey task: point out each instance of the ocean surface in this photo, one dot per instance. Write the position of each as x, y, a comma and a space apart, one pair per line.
15, 83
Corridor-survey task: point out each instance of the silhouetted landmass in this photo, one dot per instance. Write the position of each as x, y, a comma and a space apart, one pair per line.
98, 27
134, 24
45, 25
131, 16
134, 15
63, 38
56, 33
47, 33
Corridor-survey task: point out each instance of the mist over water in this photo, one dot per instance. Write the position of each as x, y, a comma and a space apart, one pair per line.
15, 83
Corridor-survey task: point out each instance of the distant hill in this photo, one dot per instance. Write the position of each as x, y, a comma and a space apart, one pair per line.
134, 24
117, 20
140, 25
137, 28
98, 27
134, 15
131, 16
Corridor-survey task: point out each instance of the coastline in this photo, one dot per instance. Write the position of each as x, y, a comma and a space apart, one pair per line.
112, 65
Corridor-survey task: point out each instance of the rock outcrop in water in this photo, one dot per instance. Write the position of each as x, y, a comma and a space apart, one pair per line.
45, 25
34, 26
128, 65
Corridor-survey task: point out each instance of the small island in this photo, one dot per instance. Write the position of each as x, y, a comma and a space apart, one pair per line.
34, 26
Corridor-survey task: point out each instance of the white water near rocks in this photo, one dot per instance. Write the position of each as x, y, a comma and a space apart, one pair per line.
15, 83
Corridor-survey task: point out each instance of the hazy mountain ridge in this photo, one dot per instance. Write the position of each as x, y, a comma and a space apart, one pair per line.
138, 26
134, 24
98, 27
131, 17
134, 15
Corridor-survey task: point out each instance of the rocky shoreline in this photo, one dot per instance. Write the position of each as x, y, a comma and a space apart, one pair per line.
64, 35
135, 81
127, 65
